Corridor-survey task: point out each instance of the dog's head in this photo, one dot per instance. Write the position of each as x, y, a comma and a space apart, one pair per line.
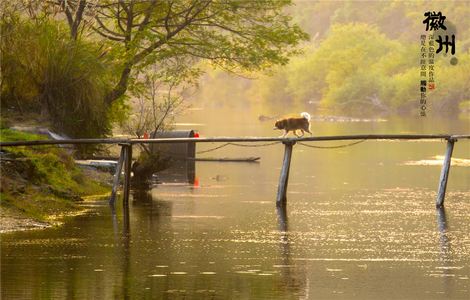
280, 124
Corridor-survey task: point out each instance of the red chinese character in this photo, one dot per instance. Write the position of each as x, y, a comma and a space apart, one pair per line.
431, 86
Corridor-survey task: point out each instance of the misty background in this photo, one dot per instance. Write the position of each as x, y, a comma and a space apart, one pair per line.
362, 60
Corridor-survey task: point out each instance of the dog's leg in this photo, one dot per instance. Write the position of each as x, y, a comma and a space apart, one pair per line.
285, 133
308, 129
295, 133
303, 132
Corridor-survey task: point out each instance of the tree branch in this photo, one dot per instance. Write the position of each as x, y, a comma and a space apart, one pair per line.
108, 36
109, 31
148, 14
141, 55
78, 18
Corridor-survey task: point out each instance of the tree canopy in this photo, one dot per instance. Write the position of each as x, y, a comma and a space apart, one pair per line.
128, 38
232, 34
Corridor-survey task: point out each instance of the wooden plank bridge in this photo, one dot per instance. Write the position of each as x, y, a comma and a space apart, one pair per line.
125, 159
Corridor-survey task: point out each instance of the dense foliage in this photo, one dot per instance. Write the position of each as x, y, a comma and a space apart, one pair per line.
77, 61
357, 69
46, 72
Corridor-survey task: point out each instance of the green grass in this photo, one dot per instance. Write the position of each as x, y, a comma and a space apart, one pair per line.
10, 135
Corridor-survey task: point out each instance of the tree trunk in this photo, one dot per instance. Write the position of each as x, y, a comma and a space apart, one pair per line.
121, 88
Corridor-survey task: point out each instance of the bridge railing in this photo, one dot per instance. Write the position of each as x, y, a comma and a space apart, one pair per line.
237, 139
125, 159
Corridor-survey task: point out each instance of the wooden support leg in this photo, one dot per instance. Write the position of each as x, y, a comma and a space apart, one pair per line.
282, 218
284, 178
441, 193
117, 174
127, 175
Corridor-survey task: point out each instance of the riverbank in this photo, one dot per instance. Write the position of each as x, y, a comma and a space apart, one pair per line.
45, 210
42, 185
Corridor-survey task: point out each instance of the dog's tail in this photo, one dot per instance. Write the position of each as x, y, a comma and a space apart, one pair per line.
305, 115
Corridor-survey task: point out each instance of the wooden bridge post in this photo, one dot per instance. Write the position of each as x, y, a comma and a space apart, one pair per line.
117, 175
284, 177
441, 193
127, 175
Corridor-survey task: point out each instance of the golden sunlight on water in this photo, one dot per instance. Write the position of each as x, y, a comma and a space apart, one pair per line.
437, 161
360, 222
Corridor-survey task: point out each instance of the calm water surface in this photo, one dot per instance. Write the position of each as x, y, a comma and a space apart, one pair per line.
360, 223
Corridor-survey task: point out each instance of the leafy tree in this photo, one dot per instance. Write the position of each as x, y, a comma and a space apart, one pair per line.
113, 45
232, 34
452, 85
340, 71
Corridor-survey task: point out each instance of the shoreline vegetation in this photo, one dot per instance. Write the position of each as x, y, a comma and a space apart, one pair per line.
42, 185
88, 69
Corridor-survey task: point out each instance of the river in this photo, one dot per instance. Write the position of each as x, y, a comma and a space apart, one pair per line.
360, 223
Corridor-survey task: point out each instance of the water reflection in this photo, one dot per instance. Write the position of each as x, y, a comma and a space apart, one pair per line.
180, 170
126, 256
148, 209
344, 231
293, 278
445, 253
444, 242
122, 242
282, 219
115, 224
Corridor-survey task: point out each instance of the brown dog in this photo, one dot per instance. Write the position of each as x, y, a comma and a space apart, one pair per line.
294, 124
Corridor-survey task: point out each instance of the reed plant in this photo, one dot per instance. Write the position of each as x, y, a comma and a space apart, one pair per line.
46, 72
